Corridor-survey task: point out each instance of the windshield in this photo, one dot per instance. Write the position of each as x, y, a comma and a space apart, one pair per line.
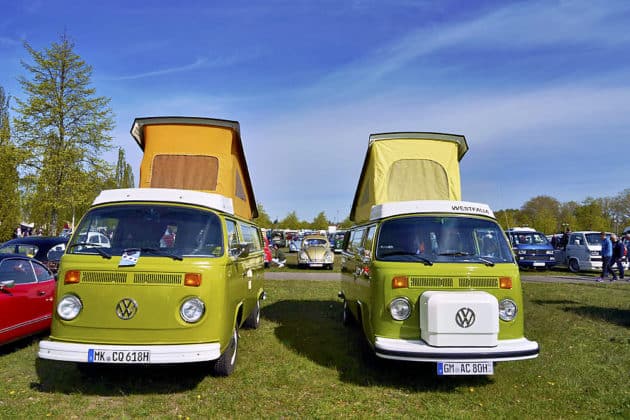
529, 238
177, 230
594, 238
315, 242
442, 239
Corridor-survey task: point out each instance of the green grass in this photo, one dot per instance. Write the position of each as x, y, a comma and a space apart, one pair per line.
302, 362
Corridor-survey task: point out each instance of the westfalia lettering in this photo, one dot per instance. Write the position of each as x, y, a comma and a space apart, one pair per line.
470, 209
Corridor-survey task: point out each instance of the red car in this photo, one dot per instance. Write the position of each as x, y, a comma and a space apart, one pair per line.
27, 289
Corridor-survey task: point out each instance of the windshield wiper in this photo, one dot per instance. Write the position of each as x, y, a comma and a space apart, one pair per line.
424, 260
486, 261
455, 254
95, 247
156, 251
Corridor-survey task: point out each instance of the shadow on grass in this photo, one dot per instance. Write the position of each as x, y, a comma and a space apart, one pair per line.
67, 378
313, 329
616, 316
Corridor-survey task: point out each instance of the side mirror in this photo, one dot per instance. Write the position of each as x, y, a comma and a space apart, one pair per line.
241, 250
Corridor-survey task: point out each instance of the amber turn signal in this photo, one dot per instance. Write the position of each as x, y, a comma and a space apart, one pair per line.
505, 282
192, 279
72, 277
400, 282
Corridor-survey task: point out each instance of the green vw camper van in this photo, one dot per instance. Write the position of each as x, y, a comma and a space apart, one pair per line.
428, 277
182, 270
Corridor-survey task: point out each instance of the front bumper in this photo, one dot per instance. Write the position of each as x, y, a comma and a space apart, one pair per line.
536, 264
419, 351
160, 354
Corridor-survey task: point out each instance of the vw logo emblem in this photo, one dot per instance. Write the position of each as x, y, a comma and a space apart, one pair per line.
126, 308
465, 317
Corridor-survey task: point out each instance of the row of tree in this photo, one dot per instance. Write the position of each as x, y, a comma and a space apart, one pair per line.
52, 162
54, 145
543, 213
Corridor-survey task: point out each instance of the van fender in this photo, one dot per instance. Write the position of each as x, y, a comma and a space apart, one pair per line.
574, 264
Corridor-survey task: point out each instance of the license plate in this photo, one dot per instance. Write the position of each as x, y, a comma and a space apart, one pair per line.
465, 368
539, 264
317, 265
119, 356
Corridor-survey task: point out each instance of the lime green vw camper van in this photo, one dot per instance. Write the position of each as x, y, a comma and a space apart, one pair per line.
182, 270
428, 277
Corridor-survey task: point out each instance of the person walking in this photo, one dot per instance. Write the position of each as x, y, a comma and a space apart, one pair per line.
617, 256
607, 253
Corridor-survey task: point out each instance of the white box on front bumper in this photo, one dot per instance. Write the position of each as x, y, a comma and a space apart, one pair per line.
459, 319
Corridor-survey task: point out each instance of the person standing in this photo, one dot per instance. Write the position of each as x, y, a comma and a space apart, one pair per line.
617, 256
279, 258
607, 253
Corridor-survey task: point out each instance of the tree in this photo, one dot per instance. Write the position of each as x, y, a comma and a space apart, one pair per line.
124, 172
590, 216
542, 213
290, 222
9, 204
263, 220
64, 130
320, 222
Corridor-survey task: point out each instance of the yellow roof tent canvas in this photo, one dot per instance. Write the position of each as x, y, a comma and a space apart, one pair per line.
406, 167
191, 153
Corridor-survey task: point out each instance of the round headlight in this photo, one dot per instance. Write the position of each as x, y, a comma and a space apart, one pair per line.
507, 309
303, 255
69, 307
328, 257
400, 309
192, 310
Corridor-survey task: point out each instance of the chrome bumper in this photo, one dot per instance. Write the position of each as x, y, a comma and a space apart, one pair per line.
419, 351
160, 354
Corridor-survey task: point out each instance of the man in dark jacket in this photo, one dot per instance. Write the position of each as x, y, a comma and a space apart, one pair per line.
606, 256
617, 256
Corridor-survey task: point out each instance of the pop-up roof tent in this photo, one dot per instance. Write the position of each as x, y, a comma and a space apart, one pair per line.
408, 167
201, 154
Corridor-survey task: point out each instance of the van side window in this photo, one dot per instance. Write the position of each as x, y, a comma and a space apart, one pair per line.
356, 239
369, 240
251, 236
233, 239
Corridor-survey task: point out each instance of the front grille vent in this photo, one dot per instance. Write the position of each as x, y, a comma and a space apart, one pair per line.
433, 282
453, 283
103, 277
157, 278
479, 282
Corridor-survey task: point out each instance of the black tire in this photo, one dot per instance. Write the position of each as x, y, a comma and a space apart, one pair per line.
224, 365
574, 266
346, 317
253, 320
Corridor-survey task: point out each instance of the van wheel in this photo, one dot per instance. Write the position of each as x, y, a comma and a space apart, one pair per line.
225, 364
346, 317
574, 266
253, 320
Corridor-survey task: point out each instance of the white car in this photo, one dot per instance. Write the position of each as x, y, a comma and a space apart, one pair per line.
96, 238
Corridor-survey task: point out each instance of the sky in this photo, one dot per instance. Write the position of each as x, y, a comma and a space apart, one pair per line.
540, 89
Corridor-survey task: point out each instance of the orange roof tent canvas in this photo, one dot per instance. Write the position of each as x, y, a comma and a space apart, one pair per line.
202, 154
407, 167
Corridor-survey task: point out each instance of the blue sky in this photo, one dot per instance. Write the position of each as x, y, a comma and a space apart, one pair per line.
540, 89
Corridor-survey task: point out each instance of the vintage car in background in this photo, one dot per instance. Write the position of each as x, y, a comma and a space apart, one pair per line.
336, 240
315, 252
47, 249
295, 244
27, 289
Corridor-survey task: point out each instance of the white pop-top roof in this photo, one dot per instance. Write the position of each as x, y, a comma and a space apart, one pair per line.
521, 229
210, 200
395, 208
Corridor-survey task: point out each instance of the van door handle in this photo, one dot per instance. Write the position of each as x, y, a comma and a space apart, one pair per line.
41, 293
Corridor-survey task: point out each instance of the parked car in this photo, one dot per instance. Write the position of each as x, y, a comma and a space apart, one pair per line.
531, 248
336, 240
295, 244
27, 288
47, 249
96, 238
315, 252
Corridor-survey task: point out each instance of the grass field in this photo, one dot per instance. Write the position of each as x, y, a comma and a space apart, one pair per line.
302, 362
